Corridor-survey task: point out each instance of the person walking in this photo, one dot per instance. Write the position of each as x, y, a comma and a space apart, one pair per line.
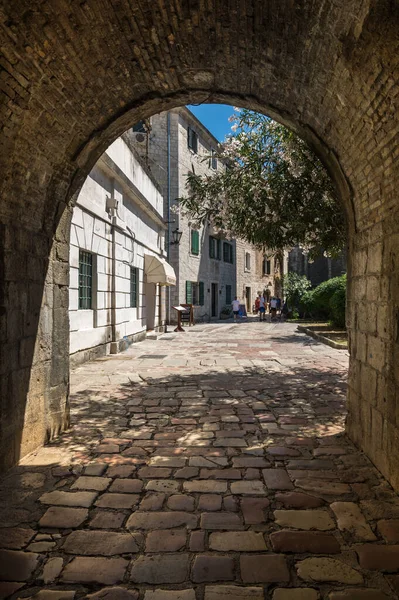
278, 307
273, 308
262, 308
236, 308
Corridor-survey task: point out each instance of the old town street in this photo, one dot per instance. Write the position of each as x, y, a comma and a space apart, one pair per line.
203, 465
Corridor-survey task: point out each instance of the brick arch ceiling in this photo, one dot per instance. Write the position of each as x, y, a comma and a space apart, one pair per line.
77, 74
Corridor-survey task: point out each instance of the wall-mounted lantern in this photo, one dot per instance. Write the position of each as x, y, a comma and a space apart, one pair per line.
176, 236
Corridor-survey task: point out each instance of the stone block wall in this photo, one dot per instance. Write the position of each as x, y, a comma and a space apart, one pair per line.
331, 74
34, 371
253, 277
373, 319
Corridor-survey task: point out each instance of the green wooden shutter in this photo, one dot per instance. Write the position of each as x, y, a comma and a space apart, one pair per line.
211, 247
219, 250
201, 293
194, 242
189, 293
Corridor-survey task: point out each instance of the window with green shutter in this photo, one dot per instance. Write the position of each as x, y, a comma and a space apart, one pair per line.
201, 293
194, 242
228, 252
85, 280
213, 161
228, 294
189, 293
266, 266
192, 139
211, 247
134, 287
214, 248
247, 261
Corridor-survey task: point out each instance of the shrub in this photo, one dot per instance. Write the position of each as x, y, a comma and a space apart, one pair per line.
319, 300
307, 304
337, 307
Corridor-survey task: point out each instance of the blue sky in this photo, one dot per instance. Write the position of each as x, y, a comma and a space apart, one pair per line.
214, 117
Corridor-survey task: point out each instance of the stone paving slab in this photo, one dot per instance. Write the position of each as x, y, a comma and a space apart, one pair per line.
210, 465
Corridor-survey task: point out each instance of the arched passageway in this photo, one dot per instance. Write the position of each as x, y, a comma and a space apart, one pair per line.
76, 75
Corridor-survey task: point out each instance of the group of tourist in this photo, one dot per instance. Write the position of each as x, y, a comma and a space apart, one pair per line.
263, 305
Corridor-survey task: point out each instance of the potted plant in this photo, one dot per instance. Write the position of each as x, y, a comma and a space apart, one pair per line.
226, 312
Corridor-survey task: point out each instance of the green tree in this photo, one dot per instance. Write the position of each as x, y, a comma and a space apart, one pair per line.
274, 191
295, 287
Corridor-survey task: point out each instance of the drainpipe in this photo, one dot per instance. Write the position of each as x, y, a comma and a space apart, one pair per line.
168, 208
114, 344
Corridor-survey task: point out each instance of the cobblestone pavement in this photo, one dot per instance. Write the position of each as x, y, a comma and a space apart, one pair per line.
209, 465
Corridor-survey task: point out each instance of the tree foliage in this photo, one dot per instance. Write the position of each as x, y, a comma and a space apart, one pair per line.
274, 191
295, 287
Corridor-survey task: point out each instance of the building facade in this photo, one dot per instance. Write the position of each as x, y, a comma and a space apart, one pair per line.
258, 273
210, 268
118, 268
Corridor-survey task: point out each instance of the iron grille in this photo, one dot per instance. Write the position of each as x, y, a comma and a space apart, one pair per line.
134, 280
85, 279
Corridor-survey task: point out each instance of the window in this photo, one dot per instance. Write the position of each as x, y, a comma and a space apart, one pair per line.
213, 162
247, 261
266, 266
195, 293
134, 287
228, 294
139, 127
214, 248
228, 252
85, 280
192, 139
194, 242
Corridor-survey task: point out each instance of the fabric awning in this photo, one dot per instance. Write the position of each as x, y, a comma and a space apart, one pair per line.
157, 270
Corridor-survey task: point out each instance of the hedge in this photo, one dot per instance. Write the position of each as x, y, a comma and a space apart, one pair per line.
327, 301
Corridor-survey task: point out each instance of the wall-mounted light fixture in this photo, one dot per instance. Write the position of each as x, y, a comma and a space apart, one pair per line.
176, 237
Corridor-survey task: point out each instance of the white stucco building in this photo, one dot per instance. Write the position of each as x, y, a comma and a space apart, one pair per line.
118, 268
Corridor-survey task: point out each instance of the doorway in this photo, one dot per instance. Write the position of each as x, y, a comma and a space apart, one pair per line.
150, 303
214, 299
248, 299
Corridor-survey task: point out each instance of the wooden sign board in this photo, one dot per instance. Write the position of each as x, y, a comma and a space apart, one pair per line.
185, 314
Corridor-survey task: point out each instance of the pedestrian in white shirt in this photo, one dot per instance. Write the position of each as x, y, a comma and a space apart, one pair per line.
236, 308
273, 308
262, 308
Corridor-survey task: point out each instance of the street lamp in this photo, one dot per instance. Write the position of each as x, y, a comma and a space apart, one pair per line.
176, 236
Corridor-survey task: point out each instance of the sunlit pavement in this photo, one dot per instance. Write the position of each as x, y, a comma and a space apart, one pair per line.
206, 465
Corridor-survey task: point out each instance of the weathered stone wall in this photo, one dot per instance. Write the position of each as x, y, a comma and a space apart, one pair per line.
253, 277
76, 75
188, 266
318, 270
373, 399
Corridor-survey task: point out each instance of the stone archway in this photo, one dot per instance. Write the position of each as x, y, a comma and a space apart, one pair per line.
76, 76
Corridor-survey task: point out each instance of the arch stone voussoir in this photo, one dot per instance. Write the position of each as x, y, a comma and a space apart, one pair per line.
76, 75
